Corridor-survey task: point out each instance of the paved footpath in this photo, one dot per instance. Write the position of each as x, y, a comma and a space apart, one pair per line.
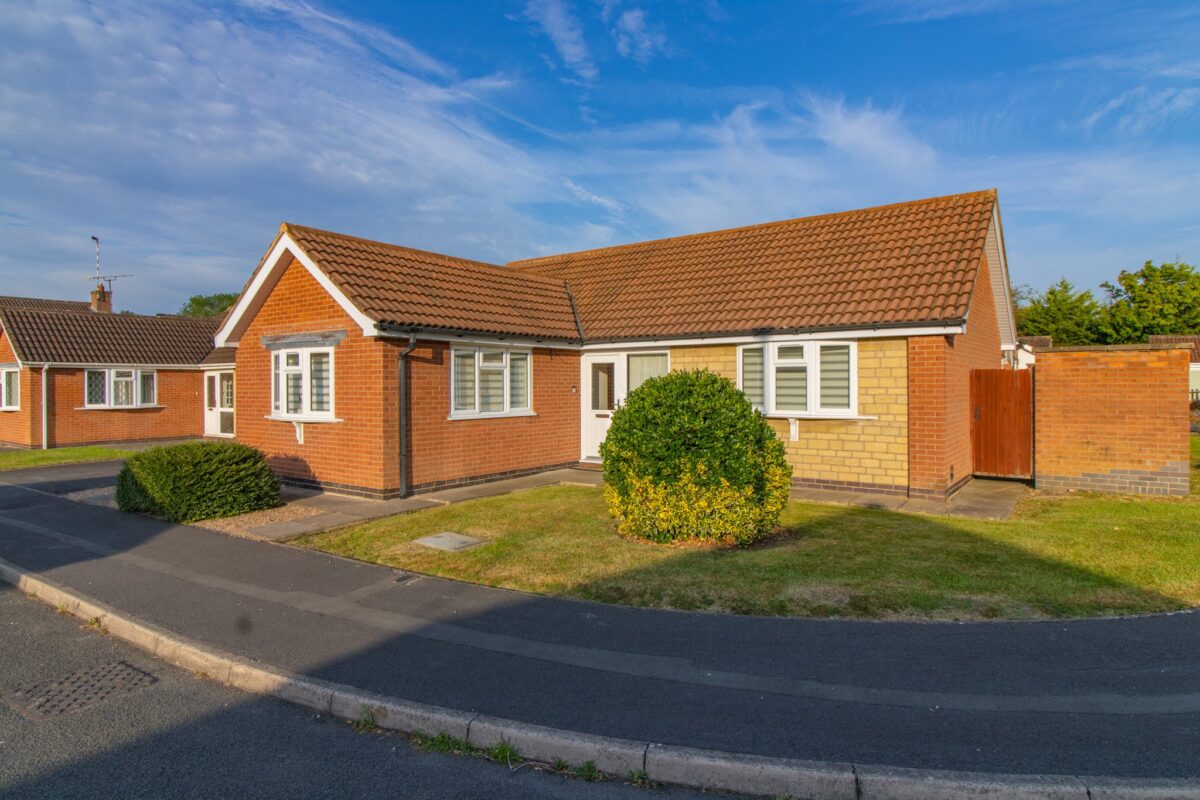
1100, 697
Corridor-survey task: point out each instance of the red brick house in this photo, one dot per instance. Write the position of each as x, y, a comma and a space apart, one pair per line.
74, 373
380, 370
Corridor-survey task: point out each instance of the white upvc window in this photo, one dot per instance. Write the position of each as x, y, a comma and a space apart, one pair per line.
490, 382
120, 387
809, 378
10, 390
302, 383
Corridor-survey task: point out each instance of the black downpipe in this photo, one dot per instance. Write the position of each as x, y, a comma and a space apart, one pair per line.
402, 418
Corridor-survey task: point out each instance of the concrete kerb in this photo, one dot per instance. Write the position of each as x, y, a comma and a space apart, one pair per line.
703, 769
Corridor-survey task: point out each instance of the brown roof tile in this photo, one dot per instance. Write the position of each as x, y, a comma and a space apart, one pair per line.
904, 264
73, 338
1193, 341
43, 304
220, 355
415, 288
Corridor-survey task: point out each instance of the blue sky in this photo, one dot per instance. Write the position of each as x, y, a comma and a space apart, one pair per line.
184, 134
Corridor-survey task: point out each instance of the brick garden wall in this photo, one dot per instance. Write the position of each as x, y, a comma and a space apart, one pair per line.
1112, 419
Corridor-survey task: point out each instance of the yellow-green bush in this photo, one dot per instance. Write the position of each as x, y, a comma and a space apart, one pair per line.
687, 457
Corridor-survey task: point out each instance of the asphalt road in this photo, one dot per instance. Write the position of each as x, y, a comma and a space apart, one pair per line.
186, 737
1090, 697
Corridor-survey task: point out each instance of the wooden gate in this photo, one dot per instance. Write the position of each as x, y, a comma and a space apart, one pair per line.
1002, 422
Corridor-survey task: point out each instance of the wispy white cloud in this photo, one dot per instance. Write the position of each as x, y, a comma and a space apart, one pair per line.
1142, 109
869, 134
558, 21
590, 197
636, 38
904, 11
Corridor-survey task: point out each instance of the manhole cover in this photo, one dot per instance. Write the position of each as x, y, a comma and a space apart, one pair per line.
79, 690
448, 540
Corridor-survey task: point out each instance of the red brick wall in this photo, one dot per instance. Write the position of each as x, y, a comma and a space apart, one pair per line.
1112, 419
181, 414
939, 373
16, 427
360, 452
179, 394
454, 451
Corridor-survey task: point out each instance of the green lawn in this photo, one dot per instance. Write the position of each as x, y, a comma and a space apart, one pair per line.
1068, 556
15, 459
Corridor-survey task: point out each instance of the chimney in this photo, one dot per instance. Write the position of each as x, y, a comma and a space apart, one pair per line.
101, 300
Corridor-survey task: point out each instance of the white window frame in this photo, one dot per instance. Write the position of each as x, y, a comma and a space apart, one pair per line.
812, 361
508, 410
279, 385
109, 381
4, 373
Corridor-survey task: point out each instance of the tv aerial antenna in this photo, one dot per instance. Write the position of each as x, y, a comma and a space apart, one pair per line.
98, 278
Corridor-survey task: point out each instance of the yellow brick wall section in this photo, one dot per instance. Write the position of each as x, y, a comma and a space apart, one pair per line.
857, 451
720, 358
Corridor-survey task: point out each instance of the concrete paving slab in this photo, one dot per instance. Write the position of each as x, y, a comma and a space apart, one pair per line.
980, 499
554, 477
295, 528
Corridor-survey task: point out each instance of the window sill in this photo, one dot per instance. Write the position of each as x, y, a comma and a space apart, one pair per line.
843, 417
305, 420
120, 408
10, 409
491, 415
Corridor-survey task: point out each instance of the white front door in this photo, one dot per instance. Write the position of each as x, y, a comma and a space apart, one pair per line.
607, 380
603, 388
218, 403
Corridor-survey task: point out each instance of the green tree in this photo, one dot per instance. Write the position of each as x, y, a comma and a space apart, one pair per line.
1068, 315
208, 305
1162, 299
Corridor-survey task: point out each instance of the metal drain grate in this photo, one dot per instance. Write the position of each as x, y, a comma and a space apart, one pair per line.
79, 690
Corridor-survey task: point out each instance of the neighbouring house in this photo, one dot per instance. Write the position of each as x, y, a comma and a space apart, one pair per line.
1027, 347
381, 370
1194, 371
74, 373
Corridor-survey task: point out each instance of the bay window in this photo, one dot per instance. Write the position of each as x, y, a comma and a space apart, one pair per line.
800, 379
120, 387
302, 383
489, 381
10, 389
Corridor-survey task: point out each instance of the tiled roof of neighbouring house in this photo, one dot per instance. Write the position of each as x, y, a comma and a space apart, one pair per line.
906, 264
66, 337
1037, 341
415, 288
1192, 341
42, 304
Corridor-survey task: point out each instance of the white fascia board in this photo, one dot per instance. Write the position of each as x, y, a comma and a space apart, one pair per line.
837, 335
480, 339
94, 365
268, 276
1007, 299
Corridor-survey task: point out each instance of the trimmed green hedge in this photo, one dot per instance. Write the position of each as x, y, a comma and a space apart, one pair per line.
688, 457
197, 480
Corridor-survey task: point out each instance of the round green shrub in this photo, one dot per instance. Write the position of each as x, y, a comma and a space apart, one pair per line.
197, 480
688, 457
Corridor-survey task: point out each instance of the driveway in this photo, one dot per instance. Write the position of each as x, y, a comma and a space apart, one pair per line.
1110, 697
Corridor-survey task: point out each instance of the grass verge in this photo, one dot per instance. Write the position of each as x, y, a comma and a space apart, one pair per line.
1065, 556
17, 459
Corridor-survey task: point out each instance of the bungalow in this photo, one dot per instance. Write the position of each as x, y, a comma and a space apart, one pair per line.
382, 370
74, 373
